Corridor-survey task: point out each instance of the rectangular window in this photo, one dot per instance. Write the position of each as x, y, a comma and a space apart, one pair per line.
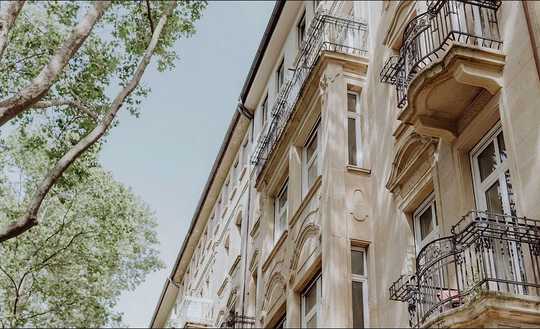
311, 159
281, 212
225, 193
234, 173
425, 223
301, 29
353, 129
280, 75
311, 303
245, 151
359, 287
264, 111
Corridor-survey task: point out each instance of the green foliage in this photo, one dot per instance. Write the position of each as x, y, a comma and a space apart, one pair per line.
104, 63
95, 240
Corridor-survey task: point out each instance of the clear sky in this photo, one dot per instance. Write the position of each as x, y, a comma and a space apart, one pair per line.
165, 156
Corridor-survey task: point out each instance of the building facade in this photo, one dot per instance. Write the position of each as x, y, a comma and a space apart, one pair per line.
382, 170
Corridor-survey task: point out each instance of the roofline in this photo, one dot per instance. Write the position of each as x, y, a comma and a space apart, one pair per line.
270, 27
276, 13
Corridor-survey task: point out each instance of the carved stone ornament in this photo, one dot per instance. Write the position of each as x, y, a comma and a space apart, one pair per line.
359, 206
406, 156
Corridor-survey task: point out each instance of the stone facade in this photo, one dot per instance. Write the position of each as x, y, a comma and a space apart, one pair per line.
382, 170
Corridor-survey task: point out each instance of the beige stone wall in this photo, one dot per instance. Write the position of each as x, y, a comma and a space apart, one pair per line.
371, 205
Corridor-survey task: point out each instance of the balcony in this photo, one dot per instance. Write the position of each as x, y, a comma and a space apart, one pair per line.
486, 255
235, 320
448, 66
195, 313
326, 34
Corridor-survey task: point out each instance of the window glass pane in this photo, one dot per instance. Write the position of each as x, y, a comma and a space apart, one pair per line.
352, 142
311, 148
493, 199
426, 223
283, 198
310, 299
351, 102
358, 304
312, 323
502, 147
486, 161
357, 262
282, 222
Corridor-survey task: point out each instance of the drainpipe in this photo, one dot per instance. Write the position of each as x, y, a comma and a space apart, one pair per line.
532, 37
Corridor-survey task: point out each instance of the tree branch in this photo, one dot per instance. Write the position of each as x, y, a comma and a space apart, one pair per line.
7, 19
149, 12
29, 219
39, 86
67, 102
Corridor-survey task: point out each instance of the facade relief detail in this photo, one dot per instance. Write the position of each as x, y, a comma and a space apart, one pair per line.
359, 207
407, 157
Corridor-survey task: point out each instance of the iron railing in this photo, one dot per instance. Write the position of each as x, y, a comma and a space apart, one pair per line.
428, 36
326, 33
485, 253
235, 320
195, 311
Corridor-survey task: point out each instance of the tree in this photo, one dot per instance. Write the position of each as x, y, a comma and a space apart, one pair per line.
61, 64
96, 240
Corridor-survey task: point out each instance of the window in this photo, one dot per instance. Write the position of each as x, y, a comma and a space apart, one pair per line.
280, 75
491, 174
311, 159
234, 173
245, 151
280, 218
316, 5
353, 128
225, 193
359, 288
311, 303
264, 112
425, 223
301, 29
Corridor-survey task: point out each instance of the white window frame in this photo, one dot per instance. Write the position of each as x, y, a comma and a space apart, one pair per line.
497, 175
365, 282
314, 160
357, 117
316, 311
245, 155
280, 75
420, 210
280, 228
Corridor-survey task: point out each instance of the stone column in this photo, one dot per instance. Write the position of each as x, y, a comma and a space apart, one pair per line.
335, 306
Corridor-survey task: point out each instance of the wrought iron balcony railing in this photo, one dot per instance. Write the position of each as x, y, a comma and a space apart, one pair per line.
428, 36
485, 253
326, 33
235, 320
195, 311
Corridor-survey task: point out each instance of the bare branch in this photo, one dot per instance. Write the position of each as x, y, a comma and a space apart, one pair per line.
29, 219
67, 102
39, 86
7, 19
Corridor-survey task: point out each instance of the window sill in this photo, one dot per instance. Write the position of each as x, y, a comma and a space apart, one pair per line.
306, 199
275, 249
358, 170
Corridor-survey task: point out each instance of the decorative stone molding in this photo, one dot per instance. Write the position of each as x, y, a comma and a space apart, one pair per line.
407, 157
465, 70
274, 289
254, 261
359, 206
404, 12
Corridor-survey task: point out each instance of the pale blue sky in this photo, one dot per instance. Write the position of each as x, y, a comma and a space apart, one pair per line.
165, 156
